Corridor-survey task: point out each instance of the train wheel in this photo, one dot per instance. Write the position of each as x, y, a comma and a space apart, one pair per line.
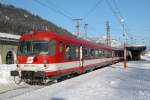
17, 79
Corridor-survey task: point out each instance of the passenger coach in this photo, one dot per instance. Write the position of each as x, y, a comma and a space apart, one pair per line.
49, 56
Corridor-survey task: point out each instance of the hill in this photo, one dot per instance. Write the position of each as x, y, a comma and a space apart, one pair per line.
18, 21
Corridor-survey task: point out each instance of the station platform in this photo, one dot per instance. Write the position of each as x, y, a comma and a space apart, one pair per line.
109, 83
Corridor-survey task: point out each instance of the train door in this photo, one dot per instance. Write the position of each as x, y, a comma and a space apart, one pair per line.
81, 58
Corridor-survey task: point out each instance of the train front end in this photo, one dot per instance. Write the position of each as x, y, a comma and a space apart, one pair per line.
33, 57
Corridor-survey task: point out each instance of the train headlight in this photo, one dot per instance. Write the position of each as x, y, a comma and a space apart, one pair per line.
45, 61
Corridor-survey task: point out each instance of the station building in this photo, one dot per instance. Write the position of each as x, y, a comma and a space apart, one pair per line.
8, 48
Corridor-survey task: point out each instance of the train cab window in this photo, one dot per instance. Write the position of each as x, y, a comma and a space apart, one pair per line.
41, 47
60, 47
25, 47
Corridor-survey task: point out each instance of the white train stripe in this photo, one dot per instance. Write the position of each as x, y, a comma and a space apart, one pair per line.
95, 61
62, 66
32, 67
67, 65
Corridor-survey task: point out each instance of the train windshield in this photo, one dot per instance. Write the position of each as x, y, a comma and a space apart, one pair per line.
34, 48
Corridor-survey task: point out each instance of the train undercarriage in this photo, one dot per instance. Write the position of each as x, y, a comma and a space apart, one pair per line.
39, 77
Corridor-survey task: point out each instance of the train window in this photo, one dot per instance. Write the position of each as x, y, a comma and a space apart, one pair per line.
92, 52
60, 47
100, 53
25, 47
85, 52
67, 52
116, 54
40, 47
71, 52
103, 53
37, 47
77, 51
52, 47
96, 53
108, 54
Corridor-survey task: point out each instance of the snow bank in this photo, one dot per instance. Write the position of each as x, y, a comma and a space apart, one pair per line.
146, 57
6, 81
5, 70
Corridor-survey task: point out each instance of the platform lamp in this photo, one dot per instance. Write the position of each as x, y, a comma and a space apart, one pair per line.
125, 44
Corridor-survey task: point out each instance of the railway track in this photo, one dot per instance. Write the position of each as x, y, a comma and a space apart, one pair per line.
26, 88
19, 91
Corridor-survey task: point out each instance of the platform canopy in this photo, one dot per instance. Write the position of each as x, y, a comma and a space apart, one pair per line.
138, 48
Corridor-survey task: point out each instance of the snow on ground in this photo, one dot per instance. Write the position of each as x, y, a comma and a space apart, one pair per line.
109, 83
7, 84
146, 57
6, 81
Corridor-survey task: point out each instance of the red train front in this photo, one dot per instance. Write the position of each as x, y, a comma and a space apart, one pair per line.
49, 56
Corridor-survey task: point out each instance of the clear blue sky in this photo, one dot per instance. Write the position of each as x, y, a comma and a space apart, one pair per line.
136, 14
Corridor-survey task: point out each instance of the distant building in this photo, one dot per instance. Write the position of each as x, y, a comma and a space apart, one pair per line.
8, 48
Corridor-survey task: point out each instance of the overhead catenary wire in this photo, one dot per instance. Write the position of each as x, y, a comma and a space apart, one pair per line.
117, 8
82, 22
53, 9
92, 9
118, 16
114, 12
59, 8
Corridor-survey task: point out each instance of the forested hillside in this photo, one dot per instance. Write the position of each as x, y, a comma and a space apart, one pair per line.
18, 21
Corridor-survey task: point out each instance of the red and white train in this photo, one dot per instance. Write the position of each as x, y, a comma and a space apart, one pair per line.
49, 56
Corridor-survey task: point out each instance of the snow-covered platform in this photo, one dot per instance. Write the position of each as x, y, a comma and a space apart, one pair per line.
109, 83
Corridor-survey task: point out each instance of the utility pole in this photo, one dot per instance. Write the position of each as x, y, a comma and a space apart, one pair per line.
77, 25
108, 40
85, 28
125, 44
